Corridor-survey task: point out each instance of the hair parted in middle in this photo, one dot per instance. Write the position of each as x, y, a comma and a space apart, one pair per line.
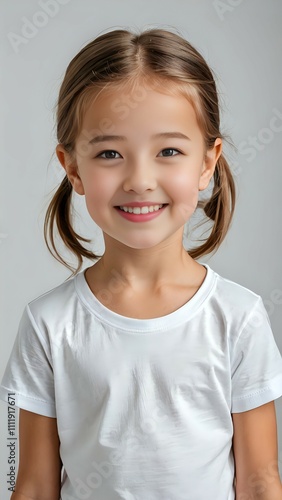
159, 59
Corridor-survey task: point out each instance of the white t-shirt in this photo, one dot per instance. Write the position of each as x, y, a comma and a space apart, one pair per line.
143, 406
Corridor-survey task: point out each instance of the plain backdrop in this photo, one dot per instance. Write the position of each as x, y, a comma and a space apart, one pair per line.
241, 41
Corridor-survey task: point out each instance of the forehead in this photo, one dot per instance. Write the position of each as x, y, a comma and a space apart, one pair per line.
139, 104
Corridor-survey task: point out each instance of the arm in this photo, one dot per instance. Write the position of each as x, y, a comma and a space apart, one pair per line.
39, 473
256, 454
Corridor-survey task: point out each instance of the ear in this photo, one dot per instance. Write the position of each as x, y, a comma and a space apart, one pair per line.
69, 164
210, 161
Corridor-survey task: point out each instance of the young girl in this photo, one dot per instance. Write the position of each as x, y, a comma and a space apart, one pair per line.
148, 376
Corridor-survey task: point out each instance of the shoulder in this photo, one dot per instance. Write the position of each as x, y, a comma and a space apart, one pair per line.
234, 292
234, 301
54, 303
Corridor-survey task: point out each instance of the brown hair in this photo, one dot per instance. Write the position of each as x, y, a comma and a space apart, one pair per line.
120, 57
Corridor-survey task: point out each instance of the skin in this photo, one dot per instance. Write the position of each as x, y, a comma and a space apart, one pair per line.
149, 258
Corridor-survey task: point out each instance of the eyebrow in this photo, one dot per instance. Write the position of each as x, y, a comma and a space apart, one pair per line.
104, 138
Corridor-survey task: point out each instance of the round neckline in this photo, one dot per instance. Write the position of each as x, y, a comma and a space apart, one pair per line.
180, 315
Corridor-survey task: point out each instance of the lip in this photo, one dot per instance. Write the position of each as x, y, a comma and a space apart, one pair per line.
140, 204
140, 217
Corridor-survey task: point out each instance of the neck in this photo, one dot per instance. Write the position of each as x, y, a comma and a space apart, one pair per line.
146, 269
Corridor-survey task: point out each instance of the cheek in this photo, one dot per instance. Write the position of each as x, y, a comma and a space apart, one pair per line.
185, 195
99, 189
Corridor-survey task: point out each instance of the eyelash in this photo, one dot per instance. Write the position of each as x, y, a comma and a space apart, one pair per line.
113, 151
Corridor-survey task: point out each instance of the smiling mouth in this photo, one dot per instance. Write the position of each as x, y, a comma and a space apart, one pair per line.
142, 210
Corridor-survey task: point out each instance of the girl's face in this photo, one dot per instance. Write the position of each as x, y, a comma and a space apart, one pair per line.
141, 148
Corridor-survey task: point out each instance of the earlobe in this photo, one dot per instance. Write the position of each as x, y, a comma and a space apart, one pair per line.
70, 168
210, 161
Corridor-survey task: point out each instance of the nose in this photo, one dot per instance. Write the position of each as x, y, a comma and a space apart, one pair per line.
140, 177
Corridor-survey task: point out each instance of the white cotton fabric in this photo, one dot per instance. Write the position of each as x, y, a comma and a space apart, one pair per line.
143, 406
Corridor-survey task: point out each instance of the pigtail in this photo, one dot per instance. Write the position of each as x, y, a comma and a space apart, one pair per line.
59, 214
219, 208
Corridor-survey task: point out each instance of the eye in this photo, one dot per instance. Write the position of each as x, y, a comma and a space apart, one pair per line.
110, 153
109, 157
169, 150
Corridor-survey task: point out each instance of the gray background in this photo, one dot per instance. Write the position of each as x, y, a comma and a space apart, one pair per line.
241, 40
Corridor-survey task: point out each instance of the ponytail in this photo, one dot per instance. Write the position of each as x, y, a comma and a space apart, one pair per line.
219, 208
59, 213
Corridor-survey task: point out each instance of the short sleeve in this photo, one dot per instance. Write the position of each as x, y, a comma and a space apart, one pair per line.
29, 373
256, 367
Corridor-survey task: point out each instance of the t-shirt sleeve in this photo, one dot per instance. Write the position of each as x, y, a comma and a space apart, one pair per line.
29, 372
256, 366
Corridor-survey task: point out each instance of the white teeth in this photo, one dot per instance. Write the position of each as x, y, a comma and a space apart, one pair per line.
141, 210
144, 210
